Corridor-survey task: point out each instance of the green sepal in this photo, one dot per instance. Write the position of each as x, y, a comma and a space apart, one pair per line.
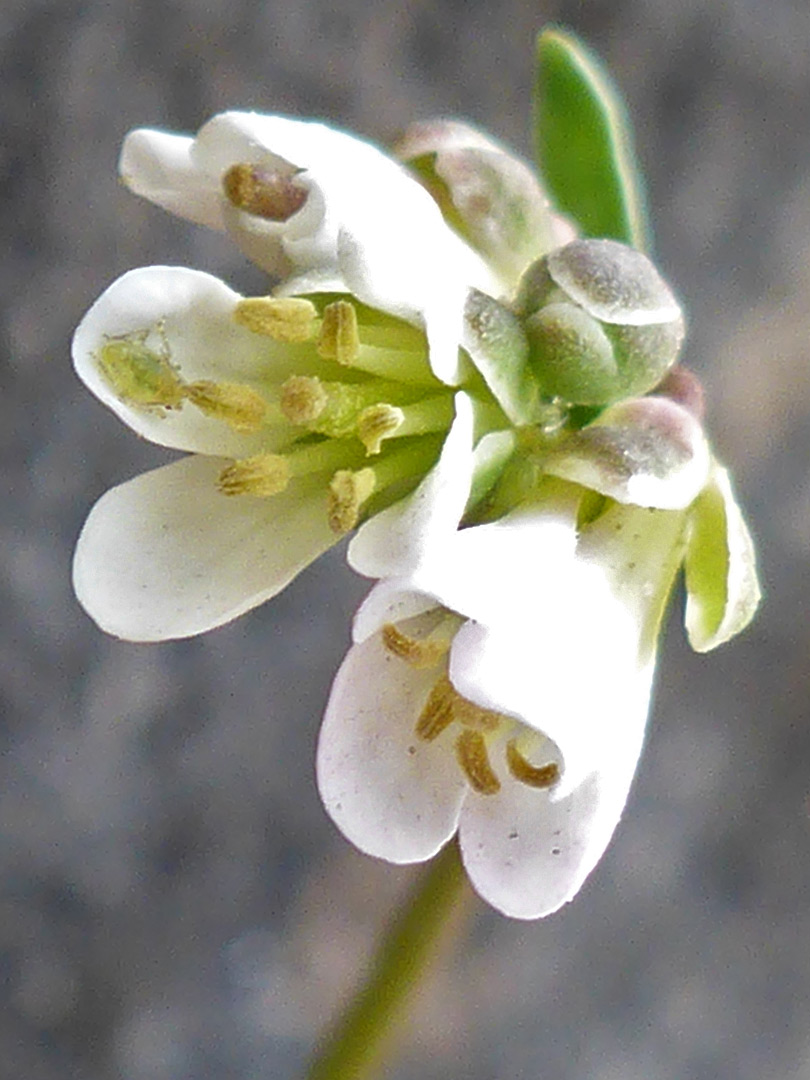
498, 348
722, 589
584, 142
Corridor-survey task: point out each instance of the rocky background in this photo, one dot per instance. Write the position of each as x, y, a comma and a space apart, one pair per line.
174, 903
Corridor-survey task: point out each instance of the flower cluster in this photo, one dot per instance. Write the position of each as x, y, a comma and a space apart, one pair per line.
493, 402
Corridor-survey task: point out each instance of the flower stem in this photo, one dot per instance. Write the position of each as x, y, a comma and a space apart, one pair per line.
357, 1044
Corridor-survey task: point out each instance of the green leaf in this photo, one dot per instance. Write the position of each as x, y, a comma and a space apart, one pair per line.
584, 142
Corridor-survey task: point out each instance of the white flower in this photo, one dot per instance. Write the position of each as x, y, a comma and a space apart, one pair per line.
308, 414
292, 448
325, 210
500, 678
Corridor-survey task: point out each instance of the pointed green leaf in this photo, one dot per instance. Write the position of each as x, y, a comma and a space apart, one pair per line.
584, 143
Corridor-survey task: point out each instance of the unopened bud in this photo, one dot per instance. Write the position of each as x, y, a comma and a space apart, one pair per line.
601, 322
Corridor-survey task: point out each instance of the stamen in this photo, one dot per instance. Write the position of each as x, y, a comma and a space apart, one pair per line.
419, 653
438, 711
348, 491
303, 399
376, 423
262, 475
471, 753
332, 408
476, 718
140, 375
240, 407
340, 337
537, 776
265, 193
289, 319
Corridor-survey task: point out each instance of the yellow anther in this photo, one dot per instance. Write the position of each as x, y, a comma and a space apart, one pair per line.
348, 491
262, 475
266, 193
290, 319
471, 753
419, 653
303, 399
376, 423
139, 375
537, 776
438, 711
340, 337
240, 407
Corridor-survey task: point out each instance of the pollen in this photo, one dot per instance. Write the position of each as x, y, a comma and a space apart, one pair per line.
537, 776
303, 399
240, 407
348, 491
262, 475
138, 374
265, 193
339, 339
376, 423
289, 319
472, 756
419, 653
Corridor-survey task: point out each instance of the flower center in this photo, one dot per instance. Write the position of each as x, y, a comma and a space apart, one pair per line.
340, 393
481, 728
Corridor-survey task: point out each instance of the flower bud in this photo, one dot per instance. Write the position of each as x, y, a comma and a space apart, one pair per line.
602, 323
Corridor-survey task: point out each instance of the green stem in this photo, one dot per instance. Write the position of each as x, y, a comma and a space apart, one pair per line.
357, 1044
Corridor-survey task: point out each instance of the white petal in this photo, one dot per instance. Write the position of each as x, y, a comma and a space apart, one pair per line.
166, 556
159, 166
189, 314
528, 852
393, 542
389, 793
570, 670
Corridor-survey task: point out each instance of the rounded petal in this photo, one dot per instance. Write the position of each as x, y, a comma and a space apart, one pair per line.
528, 852
166, 556
395, 541
646, 451
390, 794
186, 317
572, 672
160, 167
390, 601
505, 573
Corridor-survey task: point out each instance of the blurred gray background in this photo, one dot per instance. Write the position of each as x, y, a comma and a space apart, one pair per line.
174, 903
